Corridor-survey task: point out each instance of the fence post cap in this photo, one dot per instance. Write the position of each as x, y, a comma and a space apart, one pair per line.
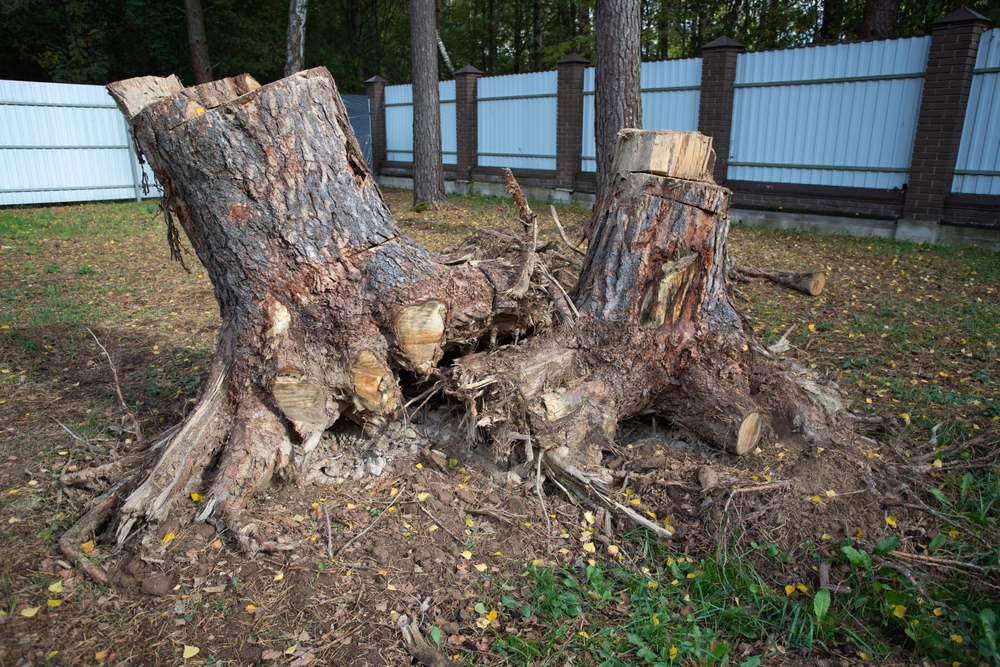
574, 59
960, 16
469, 69
723, 42
377, 79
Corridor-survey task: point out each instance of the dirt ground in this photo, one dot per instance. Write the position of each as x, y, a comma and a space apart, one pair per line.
907, 332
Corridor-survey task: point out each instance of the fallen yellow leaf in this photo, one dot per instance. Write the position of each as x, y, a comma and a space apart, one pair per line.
191, 651
196, 497
29, 612
831, 493
87, 547
298, 517
279, 576
588, 517
54, 603
481, 567
891, 520
957, 639
589, 547
169, 537
613, 550
492, 615
251, 608
422, 495
56, 587
816, 499
899, 611
100, 655
466, 555
789, 589
393, 491
937, 463
351, 506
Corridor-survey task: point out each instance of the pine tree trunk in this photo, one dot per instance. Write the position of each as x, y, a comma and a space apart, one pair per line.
428, 170
879, 21
326, 304
296, 37
617, 101
197, 41
537, 41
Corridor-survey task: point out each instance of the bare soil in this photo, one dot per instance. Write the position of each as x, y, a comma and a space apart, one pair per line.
427, 541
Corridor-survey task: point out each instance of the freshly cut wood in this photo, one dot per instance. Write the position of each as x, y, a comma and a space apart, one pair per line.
329, 311
683, 155
807, 282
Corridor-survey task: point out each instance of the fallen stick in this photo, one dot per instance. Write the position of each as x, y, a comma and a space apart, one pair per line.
443, 527
946, 562
371, 525
810, 283
562, 232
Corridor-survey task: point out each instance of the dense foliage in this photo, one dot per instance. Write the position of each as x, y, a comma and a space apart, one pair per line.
97, 41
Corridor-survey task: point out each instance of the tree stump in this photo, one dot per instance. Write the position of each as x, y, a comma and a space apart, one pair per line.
328, 309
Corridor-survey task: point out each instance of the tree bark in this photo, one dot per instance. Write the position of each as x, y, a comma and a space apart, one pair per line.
617, 100
428, 170
296, 38
325, 303
879, 21
196, 40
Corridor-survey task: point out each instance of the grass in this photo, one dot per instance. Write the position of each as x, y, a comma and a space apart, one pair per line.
910, 332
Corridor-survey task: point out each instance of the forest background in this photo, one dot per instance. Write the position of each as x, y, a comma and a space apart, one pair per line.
98, 41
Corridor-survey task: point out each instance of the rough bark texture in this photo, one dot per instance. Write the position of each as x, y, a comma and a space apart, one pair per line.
296, 37
617, 101
323, 299
326, 305
879, 21
428, 170
197, 41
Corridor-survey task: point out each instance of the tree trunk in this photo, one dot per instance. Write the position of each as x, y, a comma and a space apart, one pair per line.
536, 45
428, 170
357, 43
296, 39
879, 21
197, 42
326, 304
617, 101
663, 30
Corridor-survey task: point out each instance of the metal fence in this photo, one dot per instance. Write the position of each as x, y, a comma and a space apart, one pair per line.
671, 93
977, 170
517, 120
67, 143
841, 115
64, 142
399, 122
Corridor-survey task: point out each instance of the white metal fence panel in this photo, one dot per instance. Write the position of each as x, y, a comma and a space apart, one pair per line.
62, 143
670, 98
977, 170
399, 122
841, 115
517, 120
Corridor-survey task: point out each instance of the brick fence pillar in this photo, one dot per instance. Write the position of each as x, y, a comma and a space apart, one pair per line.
467, 121
569, 119
715, 113
952, 57
375, 89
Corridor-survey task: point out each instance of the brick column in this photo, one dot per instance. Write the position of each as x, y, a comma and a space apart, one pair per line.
467, 121
952, 57
715, 114
569, 119
375, 89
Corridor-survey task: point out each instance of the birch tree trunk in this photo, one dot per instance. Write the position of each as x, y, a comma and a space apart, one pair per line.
296, 38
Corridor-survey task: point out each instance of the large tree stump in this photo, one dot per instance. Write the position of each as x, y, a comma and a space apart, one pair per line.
327, 307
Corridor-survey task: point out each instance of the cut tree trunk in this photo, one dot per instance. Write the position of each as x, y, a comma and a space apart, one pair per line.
326, 305
810, 283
